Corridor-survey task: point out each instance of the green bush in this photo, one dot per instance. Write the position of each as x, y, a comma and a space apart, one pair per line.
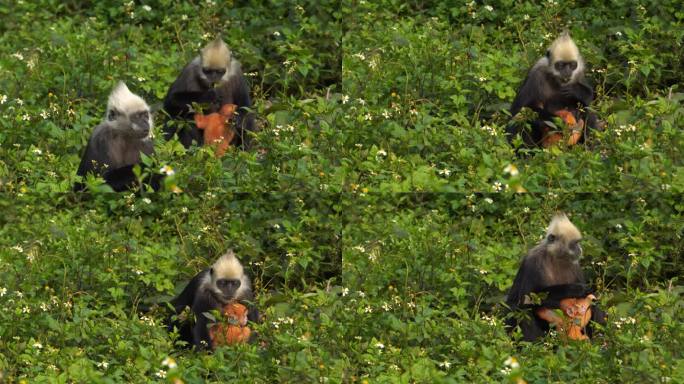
377, 213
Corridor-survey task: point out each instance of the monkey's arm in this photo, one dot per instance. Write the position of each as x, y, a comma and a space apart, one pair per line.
526, 281
94, 158
187, 296
529, 94
556, 293
177, 104
236, 91
579, 91
200, 333
123, 178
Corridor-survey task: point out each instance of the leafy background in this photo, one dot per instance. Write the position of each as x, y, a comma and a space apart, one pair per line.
367, 214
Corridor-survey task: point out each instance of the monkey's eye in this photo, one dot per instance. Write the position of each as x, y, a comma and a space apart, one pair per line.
211, 71
226, 283
573, 65
551, 238
113, 114
143, 115
559, 65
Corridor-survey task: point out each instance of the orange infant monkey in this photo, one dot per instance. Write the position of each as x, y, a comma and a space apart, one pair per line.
216, 126
576, 129
235, 331
576, 316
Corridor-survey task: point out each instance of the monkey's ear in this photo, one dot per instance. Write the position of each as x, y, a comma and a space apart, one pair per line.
211, 271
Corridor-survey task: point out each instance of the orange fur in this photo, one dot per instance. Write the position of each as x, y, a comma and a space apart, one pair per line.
235, 330
576, 127
576, 316
216, 126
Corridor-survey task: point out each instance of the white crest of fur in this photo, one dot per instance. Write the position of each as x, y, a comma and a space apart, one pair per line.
126, 101
560, 226
229, 267
565, 49
216, 54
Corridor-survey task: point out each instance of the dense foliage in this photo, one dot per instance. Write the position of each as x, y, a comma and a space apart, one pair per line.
376, 213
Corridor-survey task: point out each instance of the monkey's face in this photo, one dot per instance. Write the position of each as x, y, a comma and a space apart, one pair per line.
564, 70
228, 288
563, 247
212, 76
136, 124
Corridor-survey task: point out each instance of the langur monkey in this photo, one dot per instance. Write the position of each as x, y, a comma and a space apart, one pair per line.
552, 269
115, 145
555, 87
212, 289
214, 78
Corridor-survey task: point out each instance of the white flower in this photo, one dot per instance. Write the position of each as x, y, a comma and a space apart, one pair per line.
147, 200
147, 8
345, 99
3, 99
381, 153
379, 345
618, 34
445, 172
26, 117
497, 187
276, 34
368, 309
445, 364
488, 200
161, 374
37, 345
489, 8
3, 291
26, 310
103, 364
169, 362
368, 117
20, 102
345, 292
18, 248
18, 55
184, 17
511, 169
44, 114
360, 56
512, 362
